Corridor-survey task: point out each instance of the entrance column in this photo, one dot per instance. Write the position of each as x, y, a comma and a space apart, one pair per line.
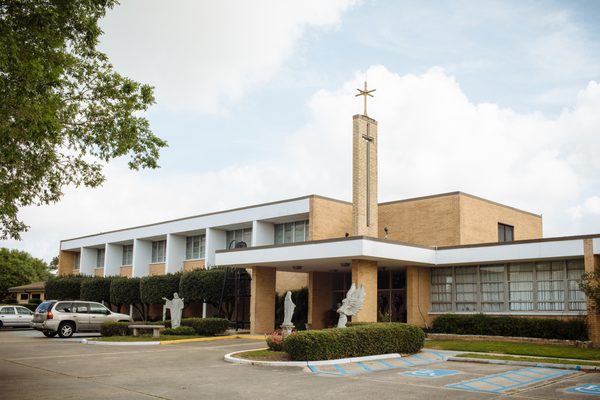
262, 300
319, 298
417, 296
591, 263
364, 272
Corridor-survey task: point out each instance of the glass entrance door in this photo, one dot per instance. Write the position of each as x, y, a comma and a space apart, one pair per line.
391, 295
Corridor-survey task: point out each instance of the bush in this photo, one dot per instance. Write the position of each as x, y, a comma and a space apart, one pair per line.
64, 288
180, 331
300, 299
206, 326
125, 291
96, 289
481, 324
35, 301
115, 329
357, 341
154, 288
30, 306
166, 323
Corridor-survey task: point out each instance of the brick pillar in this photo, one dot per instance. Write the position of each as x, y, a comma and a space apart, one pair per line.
365, 272
262, 300
66, 263
319, 298
593, 319
417, 296
364, 176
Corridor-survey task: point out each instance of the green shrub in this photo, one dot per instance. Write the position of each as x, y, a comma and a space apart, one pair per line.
166, 323
300, 299
125, 291
64, 288
492, 325
357, 341
206, 326
115, 329
96, 288
35, 302
154, 288
180, 331
31, 306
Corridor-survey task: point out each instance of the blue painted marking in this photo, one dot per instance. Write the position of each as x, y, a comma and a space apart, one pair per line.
422, 358
589, 388
387, 364
467, 385
364, 366
313, 368
404, 361
440, 355
429, 373
339, 368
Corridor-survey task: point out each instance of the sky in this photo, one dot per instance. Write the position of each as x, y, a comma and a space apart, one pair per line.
499, 99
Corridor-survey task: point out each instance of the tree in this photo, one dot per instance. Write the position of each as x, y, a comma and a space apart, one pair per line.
64, 287
65, 112
19, 268
590, 285
53, 265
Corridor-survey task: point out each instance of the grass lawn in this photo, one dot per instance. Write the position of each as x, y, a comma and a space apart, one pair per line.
525, 349
264, 355
144, 338
530, 359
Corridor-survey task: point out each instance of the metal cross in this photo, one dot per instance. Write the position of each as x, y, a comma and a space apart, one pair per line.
365, 93
369, 139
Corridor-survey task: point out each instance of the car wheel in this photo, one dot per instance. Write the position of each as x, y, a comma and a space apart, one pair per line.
66, 329
49, 333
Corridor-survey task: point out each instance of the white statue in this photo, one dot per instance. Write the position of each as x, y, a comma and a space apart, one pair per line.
288, 313
351, 304
176, 307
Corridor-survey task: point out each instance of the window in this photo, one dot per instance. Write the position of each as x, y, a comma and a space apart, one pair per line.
545, 286
291, 232
195, 247
7, 310
506, 233
127, 255
64, 307
77, 261
100, 258
24, 296
36, 296
23, 311
239, 235
98, 309
158, 251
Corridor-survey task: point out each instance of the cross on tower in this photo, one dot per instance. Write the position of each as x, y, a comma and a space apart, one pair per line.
369, 139
365, 92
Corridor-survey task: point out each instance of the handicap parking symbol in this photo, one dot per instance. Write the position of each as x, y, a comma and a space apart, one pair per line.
586, 389
429, 373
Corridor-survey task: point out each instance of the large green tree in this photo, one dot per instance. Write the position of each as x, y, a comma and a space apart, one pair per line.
19, 268
64, 111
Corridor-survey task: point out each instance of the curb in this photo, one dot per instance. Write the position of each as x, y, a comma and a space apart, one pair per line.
99, 343
154, 343
232, 359
526, 364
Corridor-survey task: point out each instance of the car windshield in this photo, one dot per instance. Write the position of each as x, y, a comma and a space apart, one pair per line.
45, 306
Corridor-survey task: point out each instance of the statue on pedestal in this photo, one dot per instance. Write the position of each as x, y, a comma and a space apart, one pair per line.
288, 313
176, 307
351, 304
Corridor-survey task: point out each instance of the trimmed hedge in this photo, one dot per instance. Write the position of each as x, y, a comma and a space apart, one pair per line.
206, 326
96, 289
115, 329
179, 331
125, 291
492, 325
154, 288
357, 341
64, 288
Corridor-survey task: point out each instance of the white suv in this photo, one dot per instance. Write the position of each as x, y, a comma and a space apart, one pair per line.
67, 317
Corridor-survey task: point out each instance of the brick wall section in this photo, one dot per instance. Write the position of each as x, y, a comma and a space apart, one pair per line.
156, 269
479, 221
365, 272
98, 271
417, 296
329, 218
66, 262
364, 176
262, 307
193, 264
591, 263
319, 298
430, 221
290, 281
126, 270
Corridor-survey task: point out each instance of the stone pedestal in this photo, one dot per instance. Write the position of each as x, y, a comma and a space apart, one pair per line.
287, 329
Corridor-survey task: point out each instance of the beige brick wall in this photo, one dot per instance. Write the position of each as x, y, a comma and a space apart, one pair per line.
329, 218
156, 269
319, 298
591, 262
126, 270
193, 264
417, 296
364, 176
479, 221
364, 272
290, 281
262, 307
98, 271
66, 262
430, 221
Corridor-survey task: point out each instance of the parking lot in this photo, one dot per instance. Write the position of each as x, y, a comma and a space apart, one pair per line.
32, 366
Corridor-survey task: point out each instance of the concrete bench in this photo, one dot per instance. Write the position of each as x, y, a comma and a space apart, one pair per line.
155, 329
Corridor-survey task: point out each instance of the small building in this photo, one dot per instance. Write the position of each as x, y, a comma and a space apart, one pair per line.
26, 293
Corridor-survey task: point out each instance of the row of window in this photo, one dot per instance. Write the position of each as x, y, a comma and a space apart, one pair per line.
541, 286
291, 232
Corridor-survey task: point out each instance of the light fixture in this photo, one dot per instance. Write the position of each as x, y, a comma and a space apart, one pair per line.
297, 267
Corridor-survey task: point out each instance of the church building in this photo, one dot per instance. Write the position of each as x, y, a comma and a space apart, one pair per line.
417, 258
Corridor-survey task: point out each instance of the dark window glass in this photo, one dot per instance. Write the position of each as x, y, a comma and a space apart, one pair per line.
98, 309
383, 280
398, 280
506, 233
24, 296
45, 306
7, 310
23, 311
81, 308
64, 307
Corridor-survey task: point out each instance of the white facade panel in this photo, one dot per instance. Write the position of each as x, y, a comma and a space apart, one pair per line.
216, 239
175, 253
263, 233
87, 261
142, 255
112, 259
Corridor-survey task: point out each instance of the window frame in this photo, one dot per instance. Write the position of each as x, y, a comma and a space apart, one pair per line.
127, 255
190, 254
503, 229
159, 252
287, 232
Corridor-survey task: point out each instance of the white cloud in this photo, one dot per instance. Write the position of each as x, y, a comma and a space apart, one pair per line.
432, 139
202, 56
